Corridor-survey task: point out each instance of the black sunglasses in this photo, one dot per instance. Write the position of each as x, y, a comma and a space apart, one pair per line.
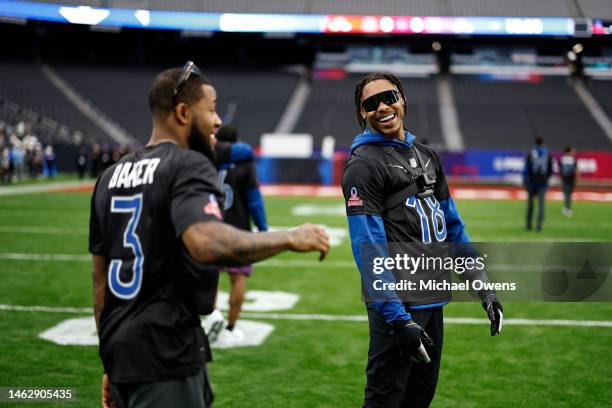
387, 97
190, 68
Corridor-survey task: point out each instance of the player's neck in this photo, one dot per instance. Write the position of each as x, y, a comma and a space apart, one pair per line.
159, 135
399, 135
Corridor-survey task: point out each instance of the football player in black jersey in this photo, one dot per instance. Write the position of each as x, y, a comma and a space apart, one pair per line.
243, 204
395, 192
156, 236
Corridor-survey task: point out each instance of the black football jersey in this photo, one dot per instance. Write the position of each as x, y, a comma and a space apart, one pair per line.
149, 327
372, 175
237, 179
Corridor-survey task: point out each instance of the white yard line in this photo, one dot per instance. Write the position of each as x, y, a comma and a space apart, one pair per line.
334, 318
46, 309
273, 263
45, 257
14, 229
450, 320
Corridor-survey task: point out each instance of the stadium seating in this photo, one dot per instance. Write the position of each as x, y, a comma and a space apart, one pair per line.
121, 93
491, 114
526, 8
596, 8
602, 90
514, 8
330, 110
510, 115
35, 92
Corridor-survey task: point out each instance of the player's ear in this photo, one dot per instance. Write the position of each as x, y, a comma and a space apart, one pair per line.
181, 113
403, 101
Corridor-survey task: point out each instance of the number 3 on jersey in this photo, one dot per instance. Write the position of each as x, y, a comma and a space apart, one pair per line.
437, 218
127, 290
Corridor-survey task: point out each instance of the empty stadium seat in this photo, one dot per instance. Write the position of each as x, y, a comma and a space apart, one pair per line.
510, 115
25, 84
260, 97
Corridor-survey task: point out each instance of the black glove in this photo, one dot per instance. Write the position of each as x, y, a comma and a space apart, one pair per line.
494, 309
410, 338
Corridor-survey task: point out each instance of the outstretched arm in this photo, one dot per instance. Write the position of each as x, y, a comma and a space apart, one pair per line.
221, 244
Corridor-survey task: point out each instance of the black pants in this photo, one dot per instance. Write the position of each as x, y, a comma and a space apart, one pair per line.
392, 381
188, 392
568, 189
540, 192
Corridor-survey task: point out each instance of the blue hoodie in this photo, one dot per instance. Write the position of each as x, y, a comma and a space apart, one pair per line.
369, 229
369, 137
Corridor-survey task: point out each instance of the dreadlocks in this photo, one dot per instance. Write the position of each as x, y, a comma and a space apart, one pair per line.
366, 80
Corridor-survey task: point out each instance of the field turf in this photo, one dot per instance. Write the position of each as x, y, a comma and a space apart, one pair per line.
309, 363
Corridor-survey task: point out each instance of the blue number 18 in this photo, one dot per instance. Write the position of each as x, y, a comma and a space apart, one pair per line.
437, 218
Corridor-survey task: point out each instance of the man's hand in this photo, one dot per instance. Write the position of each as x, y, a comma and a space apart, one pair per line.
107, 398
410, 337
494, 309
309, 237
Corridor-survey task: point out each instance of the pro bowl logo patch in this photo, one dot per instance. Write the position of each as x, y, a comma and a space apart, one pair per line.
354, 200
212, 207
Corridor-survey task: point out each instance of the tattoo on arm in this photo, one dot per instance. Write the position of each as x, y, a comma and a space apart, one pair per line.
222, 244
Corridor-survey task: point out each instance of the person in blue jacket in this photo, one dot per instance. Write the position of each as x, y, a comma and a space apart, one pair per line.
538, 168
243, 204
396, 192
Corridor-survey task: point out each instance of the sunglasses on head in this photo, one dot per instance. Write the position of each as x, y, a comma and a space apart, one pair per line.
387, 97
190, 68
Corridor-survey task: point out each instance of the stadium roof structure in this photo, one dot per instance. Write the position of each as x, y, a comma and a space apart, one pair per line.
420, 17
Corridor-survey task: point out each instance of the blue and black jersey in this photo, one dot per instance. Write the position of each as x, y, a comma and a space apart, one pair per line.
371, 177
538, 167
243, 199
567, 168
149, 327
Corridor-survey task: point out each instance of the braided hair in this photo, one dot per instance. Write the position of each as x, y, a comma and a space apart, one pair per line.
366, 80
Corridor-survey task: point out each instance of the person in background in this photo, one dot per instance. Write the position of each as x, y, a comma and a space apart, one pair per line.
18, 159
50, 167
95, 164
81, 163
106, 160
538, 168
569, 173
243, 204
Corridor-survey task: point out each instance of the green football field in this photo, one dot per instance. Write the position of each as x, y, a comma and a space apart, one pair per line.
316, 361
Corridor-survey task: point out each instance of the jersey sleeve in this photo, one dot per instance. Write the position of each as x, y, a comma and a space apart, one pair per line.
96, 236
232, 152
195, 193
251, 175
255, 200
362, 186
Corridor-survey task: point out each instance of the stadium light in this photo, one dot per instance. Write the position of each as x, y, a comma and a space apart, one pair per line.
577, 48
84, 15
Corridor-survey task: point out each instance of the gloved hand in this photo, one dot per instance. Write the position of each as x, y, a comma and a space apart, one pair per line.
410, 338
494, 309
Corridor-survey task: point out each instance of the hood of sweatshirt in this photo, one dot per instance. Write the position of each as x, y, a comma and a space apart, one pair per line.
371, 137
